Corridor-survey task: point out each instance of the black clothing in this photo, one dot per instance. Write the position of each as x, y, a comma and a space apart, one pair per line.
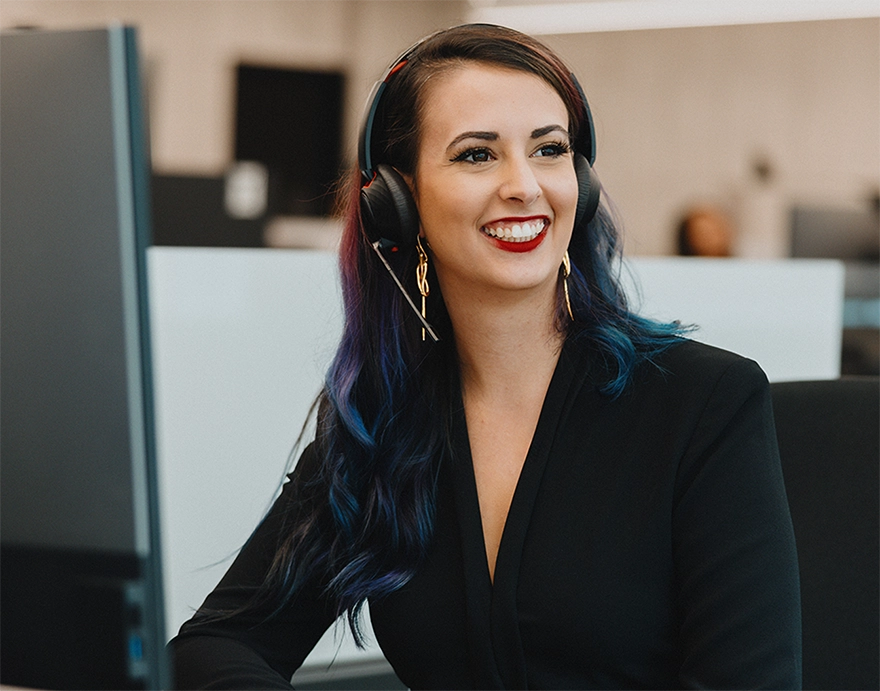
648, 545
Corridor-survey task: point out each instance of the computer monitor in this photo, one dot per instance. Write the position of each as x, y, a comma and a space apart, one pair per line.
82, 595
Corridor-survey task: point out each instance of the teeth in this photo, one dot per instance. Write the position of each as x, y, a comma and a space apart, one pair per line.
518, 232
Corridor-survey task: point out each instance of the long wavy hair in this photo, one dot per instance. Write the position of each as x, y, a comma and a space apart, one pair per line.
383, 423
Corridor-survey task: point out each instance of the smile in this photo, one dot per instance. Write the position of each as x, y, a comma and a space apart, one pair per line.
517, 236
524, 231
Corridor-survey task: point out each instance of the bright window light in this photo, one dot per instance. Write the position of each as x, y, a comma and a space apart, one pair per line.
621, 15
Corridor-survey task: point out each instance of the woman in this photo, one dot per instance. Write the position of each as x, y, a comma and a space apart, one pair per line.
555, 493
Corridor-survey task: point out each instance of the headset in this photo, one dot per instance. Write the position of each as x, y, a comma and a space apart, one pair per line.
388, 210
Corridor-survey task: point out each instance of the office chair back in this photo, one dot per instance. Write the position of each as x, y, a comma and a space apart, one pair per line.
829, 434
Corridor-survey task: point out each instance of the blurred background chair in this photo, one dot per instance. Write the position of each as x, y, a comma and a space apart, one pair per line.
829, 433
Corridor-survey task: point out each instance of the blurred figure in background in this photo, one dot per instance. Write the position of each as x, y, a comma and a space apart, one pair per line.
705, 231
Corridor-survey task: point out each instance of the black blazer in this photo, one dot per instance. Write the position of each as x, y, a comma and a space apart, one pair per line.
648, 545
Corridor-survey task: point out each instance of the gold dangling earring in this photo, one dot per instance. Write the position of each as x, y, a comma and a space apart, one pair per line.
566, 270
422, 278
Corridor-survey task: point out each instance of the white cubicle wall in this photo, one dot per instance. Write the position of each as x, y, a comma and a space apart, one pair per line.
786, 314
241, 338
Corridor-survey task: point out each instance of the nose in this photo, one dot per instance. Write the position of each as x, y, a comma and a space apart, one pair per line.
518, 181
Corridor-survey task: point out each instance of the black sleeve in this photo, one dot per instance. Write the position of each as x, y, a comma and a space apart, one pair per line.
251, 650
733, 543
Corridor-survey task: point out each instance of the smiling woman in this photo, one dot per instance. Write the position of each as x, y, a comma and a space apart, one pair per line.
550, 492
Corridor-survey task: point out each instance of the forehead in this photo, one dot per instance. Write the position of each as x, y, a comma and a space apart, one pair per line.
480, 97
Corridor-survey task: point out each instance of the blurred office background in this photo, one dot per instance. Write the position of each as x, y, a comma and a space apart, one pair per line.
765, 113
756, 119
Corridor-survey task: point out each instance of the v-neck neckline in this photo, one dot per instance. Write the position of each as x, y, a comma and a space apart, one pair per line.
493, 629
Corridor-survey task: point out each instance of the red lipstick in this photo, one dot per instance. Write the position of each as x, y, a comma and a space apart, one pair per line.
519, 246
492, 230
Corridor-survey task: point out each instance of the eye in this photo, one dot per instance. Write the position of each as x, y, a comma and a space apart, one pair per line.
475, 155
553, 149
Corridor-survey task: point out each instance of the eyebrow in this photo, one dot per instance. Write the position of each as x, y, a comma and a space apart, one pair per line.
484, 136
543, 131
493, 136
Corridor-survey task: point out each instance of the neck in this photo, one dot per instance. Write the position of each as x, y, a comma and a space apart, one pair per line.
506, 347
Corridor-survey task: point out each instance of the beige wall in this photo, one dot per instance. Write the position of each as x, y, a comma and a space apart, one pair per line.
681, 114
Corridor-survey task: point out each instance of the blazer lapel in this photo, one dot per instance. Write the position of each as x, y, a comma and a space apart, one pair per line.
478, 586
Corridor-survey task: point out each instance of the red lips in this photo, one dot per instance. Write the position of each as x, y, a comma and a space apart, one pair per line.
526, 246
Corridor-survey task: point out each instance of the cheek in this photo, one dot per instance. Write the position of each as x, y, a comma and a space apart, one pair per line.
565, 195
448, 203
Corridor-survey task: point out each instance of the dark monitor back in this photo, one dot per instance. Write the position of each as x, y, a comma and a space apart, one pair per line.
82, 596
836, 233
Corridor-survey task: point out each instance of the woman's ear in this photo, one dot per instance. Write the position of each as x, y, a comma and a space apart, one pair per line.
410, 183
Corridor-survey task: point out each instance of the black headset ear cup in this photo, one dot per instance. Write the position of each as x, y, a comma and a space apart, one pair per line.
588, 190
388, 210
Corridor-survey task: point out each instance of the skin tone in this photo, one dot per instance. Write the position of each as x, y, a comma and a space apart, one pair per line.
494, 162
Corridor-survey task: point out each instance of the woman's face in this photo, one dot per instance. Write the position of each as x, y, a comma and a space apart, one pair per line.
494, 183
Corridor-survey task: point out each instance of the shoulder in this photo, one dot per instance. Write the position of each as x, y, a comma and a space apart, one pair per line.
687, 386
689, 378
705, 389
697, 365
685, 368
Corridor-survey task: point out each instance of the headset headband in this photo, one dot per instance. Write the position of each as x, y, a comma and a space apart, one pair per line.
586, 143
365, 143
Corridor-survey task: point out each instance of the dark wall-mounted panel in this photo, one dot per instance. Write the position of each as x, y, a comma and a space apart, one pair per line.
291, 121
